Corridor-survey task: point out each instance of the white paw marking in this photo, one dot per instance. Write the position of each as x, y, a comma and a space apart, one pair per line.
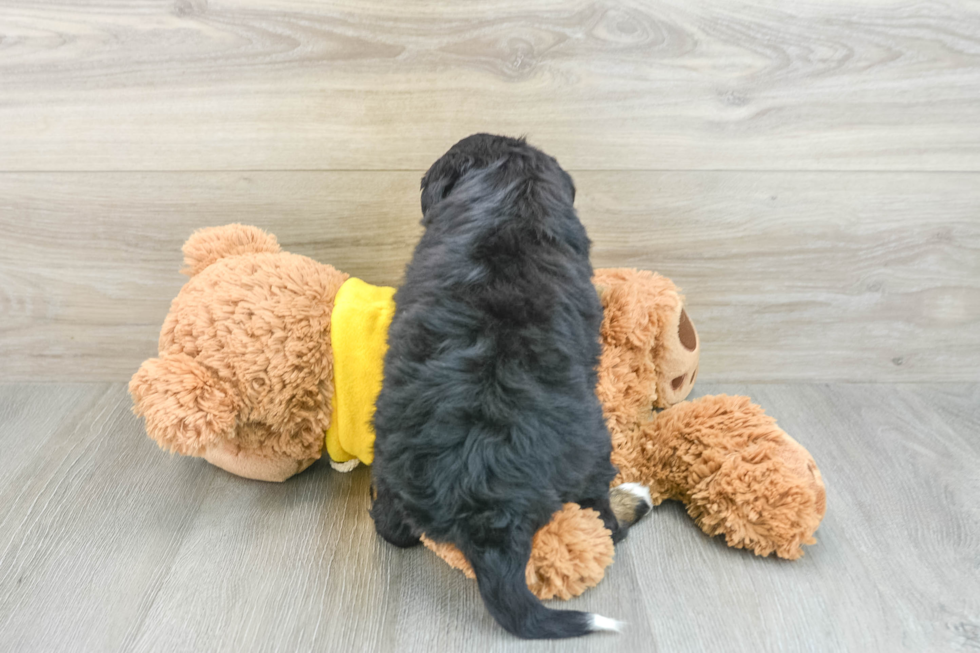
637, 490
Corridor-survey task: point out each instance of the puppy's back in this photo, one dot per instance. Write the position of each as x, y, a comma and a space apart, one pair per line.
488, 421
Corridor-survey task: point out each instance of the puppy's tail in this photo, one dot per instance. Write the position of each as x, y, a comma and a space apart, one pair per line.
500, 574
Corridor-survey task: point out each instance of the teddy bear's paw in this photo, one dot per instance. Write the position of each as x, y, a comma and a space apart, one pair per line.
568, 555
740, 475
187, 406
258, 466
759, 503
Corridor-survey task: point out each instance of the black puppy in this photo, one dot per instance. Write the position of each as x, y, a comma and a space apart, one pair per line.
487, 421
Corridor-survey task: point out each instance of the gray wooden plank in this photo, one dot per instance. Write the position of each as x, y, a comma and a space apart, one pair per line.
107, 543
898, 558
90, 522
789, 276
664, 84
276, 567
31, 413
807, 276
89, 265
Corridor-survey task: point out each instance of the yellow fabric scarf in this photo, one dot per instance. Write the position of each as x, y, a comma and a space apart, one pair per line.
359, 336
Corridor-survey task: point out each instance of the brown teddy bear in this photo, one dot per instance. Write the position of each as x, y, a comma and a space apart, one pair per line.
267, 359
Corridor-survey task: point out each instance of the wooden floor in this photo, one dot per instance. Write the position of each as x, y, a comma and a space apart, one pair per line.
108, 544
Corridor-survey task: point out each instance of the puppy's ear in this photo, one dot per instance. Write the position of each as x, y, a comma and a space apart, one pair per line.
442, 176
571, 183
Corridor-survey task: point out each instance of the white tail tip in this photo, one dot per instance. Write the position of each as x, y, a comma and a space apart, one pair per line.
600, 623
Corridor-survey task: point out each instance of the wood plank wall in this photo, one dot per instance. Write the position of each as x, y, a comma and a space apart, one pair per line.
809, 173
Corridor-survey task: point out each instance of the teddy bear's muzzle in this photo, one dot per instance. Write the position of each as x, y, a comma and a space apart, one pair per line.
679, 363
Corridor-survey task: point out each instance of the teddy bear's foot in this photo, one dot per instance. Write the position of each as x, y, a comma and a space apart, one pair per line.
248, 464
740, 475
187, 406
569, 554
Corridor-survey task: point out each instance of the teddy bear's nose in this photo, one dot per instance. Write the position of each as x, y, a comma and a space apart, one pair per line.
685, 331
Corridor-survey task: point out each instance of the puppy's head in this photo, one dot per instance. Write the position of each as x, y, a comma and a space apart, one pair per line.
511, 158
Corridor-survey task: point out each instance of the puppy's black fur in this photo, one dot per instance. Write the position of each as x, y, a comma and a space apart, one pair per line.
487, 421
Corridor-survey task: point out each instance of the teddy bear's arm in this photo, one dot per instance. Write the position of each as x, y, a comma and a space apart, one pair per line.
569, 554
739, 474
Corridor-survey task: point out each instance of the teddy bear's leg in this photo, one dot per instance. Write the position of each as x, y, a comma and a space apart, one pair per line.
569, 554
264, 452
739, 474
281, 437
186, 406
246, 457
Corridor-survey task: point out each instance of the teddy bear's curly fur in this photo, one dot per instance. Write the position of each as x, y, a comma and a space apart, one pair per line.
244, 378
244, 373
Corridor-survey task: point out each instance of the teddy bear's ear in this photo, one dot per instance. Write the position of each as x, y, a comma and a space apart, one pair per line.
205, 246
639, 332
635, 305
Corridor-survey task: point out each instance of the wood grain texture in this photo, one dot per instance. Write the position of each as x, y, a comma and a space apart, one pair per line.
789, 276
89, 263
807, 276
664, 84
107, 543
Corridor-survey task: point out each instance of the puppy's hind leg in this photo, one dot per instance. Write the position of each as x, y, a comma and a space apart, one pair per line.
630, 502
389, 522
621, 507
